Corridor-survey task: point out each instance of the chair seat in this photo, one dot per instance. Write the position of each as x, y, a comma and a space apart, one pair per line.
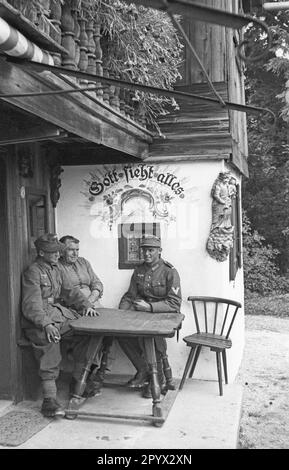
208, 339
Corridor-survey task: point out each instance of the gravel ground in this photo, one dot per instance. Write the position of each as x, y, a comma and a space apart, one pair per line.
264, 373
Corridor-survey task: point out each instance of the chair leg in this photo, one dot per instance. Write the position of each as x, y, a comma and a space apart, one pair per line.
187, 366
195, 361
218, 356
225, 365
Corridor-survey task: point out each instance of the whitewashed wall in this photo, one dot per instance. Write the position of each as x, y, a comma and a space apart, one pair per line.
183, 242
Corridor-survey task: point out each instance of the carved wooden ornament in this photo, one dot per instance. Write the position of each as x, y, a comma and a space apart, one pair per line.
220, 240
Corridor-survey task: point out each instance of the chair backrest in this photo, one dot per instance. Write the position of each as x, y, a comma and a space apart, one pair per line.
216, 314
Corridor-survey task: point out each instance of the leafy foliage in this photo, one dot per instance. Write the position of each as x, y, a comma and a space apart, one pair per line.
274, 305
139, 44
265, 196
261, 274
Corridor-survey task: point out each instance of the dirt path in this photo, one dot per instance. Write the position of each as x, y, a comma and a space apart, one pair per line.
264, 374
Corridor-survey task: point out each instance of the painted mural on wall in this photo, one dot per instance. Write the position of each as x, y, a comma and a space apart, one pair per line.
220, 240
113, 188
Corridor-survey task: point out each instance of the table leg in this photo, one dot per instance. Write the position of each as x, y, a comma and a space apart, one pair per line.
76, 400
155, 387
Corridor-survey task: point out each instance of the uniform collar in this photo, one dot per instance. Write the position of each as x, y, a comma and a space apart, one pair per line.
156, 266
40, 261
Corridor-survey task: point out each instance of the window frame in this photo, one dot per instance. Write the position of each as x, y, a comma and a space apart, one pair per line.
146, 228
235, 257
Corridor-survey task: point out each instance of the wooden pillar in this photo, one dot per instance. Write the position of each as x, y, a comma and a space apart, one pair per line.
98, 58
128, 110
112, 101
83, 60
117, 94
55, 30
122, 100
106, 87
91, 65
114, 93
67, 25
76, 38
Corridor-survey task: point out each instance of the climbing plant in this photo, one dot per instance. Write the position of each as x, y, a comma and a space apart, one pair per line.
139, 44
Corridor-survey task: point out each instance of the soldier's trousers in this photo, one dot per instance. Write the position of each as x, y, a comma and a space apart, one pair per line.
134, 349
48, 355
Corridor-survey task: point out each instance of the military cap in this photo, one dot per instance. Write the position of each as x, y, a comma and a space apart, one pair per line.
151, 240
48, 242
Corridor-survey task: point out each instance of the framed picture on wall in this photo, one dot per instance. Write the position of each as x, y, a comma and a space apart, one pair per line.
129, 237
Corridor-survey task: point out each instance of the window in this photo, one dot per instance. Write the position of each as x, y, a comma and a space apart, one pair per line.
129, 237
36, 216
236, 250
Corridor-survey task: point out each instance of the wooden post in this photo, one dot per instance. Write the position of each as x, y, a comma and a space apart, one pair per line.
76, 38
98, 57
126, 99
67, 24
83, 60
106, 87
91, 65
112, 100
117, 93
55, 30
122, 100
132, 106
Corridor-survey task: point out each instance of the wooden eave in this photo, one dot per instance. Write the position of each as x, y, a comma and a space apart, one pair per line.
198, 131
78, 114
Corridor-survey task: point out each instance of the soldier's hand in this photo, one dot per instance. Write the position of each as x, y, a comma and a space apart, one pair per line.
91, 312
142, 305
52, 333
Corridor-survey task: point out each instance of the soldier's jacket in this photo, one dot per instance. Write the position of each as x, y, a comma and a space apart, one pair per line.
43, 285
158, 285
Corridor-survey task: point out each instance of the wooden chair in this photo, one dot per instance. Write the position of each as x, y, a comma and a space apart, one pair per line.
216, 317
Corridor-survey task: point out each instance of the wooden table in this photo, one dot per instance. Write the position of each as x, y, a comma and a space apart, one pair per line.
129, 323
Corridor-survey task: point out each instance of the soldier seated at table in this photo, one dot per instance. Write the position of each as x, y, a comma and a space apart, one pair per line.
154, 287
79, 270
46, 318
81, 275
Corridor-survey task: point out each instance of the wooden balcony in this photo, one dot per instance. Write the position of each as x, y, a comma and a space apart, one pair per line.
108, 115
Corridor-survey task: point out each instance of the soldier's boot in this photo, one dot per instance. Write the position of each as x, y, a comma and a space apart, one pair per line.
170, 384
51, 408
141, 377
96, 378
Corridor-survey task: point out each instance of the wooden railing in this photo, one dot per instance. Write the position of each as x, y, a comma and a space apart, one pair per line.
82, 39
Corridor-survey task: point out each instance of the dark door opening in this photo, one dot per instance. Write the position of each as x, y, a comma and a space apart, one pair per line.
5, 352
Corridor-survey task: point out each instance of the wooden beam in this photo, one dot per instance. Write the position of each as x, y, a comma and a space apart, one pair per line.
195, 10
188, 97
31, 134
273, 6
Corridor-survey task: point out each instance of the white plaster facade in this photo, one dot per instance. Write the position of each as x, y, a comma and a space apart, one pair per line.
183, 241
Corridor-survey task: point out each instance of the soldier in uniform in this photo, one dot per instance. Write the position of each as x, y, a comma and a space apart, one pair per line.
46, 318
154, 287
81, 274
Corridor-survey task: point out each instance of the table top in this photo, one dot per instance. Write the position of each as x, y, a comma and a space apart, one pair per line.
117, 322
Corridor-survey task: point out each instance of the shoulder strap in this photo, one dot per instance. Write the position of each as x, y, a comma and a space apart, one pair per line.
169, 264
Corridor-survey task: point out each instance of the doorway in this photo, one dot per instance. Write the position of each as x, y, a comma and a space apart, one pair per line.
5, 337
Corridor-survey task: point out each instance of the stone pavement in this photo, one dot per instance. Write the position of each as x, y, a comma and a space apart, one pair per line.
198, 419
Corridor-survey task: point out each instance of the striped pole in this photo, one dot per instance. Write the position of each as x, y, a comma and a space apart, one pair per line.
12, 42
